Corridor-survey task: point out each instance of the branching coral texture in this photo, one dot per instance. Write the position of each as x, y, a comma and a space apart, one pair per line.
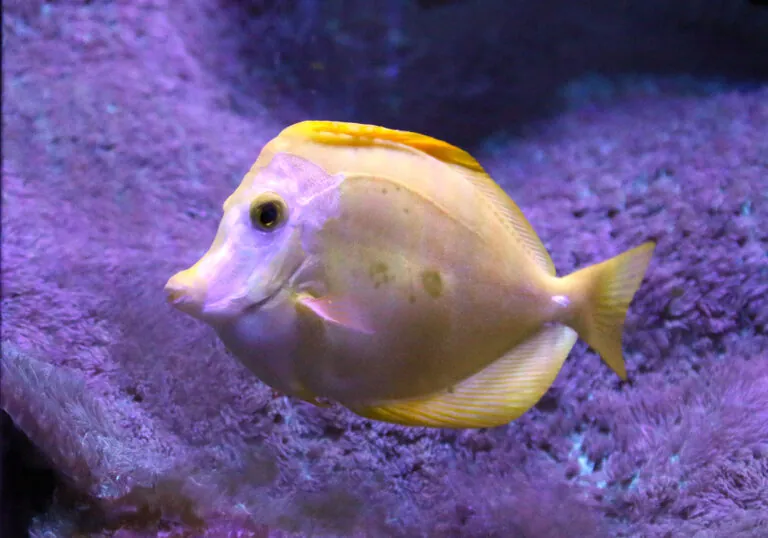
125, 126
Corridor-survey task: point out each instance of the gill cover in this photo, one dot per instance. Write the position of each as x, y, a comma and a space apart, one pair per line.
258, 245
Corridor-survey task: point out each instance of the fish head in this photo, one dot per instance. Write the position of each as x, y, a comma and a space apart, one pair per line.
257, 250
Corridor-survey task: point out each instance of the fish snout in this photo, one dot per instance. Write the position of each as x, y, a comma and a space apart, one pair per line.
186, 292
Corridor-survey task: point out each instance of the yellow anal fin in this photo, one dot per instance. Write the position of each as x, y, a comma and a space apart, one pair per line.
494, 396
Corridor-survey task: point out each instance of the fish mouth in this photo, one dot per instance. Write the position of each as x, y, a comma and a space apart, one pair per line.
266, 300
229, 308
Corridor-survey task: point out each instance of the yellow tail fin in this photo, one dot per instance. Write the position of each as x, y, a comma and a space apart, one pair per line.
606, 289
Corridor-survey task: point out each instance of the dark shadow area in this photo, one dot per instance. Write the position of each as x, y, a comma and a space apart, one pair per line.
28, 482
462, 70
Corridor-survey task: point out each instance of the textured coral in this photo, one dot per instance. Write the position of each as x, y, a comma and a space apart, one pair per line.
125, 127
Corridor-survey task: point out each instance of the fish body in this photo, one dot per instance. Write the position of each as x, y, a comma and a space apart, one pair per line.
397, 279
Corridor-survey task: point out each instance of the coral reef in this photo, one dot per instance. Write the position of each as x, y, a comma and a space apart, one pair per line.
125, 126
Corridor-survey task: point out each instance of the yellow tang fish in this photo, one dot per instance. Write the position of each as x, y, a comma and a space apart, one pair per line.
386, 271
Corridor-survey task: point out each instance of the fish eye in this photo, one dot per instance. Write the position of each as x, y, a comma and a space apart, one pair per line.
268, 212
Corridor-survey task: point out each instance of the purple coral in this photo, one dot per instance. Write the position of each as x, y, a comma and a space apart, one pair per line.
125, 127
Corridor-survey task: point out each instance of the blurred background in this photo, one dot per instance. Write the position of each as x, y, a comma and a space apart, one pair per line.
465, 70
127, 123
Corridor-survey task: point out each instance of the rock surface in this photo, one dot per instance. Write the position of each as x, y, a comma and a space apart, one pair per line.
126, 126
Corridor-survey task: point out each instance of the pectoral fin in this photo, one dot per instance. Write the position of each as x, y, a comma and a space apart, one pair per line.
337, 311
494, 396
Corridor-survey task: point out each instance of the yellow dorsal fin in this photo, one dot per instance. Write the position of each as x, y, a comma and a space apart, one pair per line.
494, 396
335, 132
509, 213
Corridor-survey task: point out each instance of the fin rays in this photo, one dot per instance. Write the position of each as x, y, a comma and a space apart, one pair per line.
331, 132
494, 396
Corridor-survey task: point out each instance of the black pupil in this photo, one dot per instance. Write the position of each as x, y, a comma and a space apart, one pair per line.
269, 214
